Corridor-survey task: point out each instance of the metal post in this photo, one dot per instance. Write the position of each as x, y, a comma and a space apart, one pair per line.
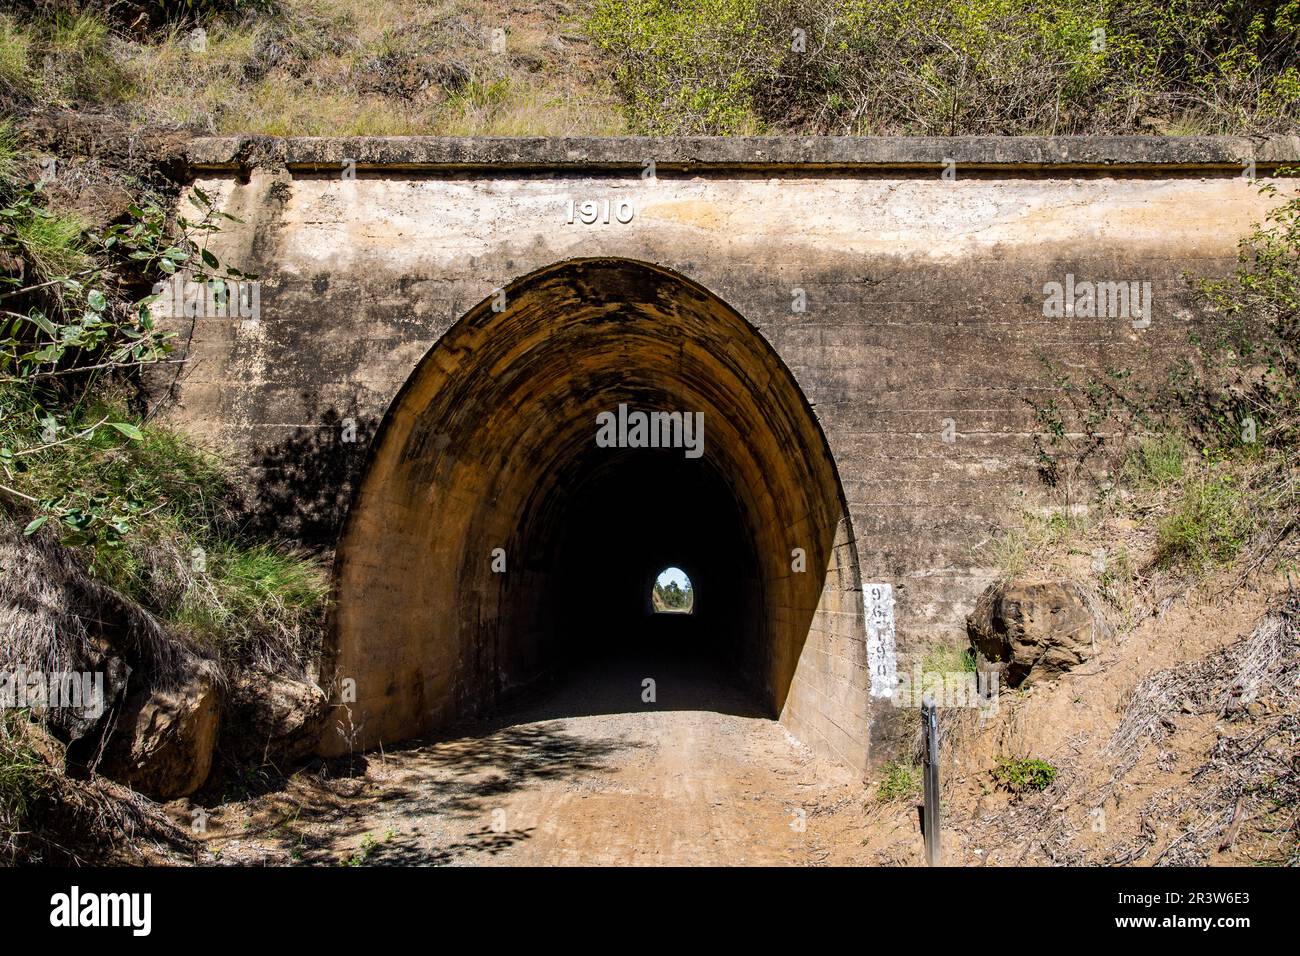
930, 818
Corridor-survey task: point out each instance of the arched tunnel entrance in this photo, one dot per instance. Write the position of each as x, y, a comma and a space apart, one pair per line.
514, 515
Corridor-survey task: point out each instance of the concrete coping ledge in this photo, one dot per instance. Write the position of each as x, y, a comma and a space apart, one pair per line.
628, 153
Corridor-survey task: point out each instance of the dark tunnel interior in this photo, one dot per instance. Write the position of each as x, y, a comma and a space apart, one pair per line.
627, 516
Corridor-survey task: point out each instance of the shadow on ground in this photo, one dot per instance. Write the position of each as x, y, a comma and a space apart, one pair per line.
432, 801
430, 784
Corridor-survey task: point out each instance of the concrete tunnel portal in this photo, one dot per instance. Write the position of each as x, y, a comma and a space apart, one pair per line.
495, 540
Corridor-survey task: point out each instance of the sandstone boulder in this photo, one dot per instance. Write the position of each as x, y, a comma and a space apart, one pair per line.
1034, 630
163, 739
272, 719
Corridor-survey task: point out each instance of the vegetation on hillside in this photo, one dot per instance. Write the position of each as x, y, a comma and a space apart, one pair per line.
47, 815
1179, 483
111, 523
900, 780
1205, 460
149, 511
978, 66
312, 67
317, 67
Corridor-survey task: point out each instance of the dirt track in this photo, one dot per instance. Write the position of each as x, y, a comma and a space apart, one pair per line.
590, 775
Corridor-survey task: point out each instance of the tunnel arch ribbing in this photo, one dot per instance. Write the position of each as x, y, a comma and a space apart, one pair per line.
490, 445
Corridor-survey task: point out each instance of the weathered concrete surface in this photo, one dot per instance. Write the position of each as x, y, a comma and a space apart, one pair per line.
890, 153
924, 314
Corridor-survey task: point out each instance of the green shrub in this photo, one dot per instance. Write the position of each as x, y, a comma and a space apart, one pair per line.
1209, 525
1022, 775
1234, 398
976, 66
1244, 392
112, 482
151, 513
688, 67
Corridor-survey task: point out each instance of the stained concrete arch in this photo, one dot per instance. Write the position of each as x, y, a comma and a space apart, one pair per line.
491, 445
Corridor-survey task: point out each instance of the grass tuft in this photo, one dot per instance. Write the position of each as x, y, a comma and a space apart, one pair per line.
902, 781
258, 603
15, 47
80, 64
949, 660
1210, 524
11, 156
22, 777
1024, 776
1019, 548
54, 244
1155, 462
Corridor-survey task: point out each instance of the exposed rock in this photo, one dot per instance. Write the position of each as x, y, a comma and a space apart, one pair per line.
272, 719
91, 192
83, 725
143, 152
163, 741
56, 621
1034, 630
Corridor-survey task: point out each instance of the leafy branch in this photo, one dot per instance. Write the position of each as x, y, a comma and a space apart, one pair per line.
69, 325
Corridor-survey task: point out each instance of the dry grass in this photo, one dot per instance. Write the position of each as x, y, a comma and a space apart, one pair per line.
351, 67
1250, 775
50, 610
49, 818
1174, 522
1234, 716
1021, 547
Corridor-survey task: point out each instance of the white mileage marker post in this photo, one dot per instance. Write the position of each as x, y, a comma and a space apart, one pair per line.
879, 600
